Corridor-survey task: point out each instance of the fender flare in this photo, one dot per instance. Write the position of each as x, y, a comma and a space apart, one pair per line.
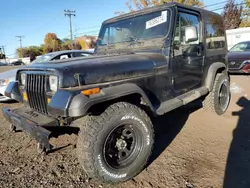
80, 103
211, 73
65, 103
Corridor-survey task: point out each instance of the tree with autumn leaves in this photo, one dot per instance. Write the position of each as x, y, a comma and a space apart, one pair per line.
30, 51
245, 22
52, 43
232, 15
236, 15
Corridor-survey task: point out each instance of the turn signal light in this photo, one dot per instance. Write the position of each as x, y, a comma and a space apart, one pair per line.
48, 100
91, 91
25, 97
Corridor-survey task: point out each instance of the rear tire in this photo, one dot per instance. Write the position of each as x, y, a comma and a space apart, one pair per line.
115, 146
217, 101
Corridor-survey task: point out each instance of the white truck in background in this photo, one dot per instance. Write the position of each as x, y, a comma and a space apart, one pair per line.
235, 36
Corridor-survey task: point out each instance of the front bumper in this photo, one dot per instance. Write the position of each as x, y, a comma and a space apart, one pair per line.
32, 122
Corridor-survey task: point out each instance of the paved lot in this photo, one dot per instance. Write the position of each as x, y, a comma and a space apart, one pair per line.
193, 148
6, 68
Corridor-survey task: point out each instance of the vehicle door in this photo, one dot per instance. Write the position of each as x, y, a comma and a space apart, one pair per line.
188, 53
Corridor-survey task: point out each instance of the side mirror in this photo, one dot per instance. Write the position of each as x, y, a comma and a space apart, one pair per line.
191, 34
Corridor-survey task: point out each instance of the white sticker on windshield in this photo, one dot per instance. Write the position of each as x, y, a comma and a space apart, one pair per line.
157, 21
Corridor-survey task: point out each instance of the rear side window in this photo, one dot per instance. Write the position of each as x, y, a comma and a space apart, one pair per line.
215, 34
63, 56
81, 54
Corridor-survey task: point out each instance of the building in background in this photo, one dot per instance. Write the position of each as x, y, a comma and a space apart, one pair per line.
25, 60
235, 36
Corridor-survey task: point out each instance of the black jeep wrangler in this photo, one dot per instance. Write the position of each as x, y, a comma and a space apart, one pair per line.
147, 63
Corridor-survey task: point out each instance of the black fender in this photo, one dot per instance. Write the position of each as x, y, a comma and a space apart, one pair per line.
211, 73
68, 104
12, 91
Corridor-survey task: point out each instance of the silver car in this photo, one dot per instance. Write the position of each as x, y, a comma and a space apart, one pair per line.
5, 78
10, 75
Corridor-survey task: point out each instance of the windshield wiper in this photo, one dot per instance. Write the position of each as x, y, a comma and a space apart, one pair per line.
134, 40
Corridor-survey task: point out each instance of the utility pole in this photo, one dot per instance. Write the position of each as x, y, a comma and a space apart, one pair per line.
2, 48
70, 13
21, 48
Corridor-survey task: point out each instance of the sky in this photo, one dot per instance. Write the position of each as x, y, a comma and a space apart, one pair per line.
34, 18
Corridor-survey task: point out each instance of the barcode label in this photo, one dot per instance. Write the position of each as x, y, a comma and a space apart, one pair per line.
157, 21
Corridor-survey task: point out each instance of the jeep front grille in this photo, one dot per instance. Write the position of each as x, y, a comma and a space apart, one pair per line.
36, 92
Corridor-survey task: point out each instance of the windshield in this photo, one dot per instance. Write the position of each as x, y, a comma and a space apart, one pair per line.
147, 26
43, 58
241, 47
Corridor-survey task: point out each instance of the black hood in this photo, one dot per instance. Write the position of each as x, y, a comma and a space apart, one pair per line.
100, 69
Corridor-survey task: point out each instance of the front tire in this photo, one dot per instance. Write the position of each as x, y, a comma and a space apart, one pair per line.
115, 146
217, 101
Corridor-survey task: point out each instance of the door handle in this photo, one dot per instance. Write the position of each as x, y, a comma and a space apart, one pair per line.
199, 50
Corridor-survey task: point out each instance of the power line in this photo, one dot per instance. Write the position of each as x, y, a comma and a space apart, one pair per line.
217, 9
94, 31
214, 4
76, 31
70, 13
86, 28
224, 6
21, 48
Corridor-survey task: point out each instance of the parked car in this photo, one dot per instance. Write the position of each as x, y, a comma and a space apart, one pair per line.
5, 78
3, 64
18, 62
8, 76
148, 63
66, 54
238, 58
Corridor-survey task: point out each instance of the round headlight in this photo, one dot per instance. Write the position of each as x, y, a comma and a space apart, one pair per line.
53, 82
23, 78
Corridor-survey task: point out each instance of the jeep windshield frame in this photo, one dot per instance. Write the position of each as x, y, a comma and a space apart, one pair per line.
148, 26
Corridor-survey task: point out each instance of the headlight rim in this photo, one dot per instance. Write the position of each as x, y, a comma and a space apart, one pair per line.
21, 79
55, 87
